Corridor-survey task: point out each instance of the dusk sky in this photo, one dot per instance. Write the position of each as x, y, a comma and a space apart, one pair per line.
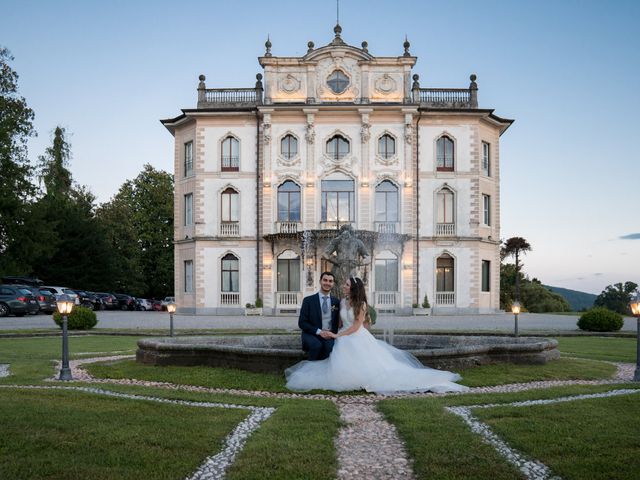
566, 71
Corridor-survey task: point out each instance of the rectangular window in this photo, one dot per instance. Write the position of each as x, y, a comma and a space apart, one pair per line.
188, 276
188, 159
188, 209
386, 275
486, 204
338, 201
289, 275
486, 159
486, 276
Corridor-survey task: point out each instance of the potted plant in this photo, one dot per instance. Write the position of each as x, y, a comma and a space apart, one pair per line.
424, 309
253, 308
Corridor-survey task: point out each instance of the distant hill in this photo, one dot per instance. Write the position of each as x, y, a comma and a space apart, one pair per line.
577, 300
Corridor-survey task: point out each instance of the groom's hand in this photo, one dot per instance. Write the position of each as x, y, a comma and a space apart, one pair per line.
326, 334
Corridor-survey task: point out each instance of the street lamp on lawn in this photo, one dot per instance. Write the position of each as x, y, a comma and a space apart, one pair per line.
515, 309
635, 310
171, 308
65, 305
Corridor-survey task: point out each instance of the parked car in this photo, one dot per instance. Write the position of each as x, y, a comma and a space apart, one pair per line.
14, 280
57, 291
46, 300
88, 300
126, 302
109, 300
156, 305
143, 304
167, 301
17, 301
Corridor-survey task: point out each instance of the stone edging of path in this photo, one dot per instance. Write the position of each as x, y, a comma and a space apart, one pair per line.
531, 469
4, 370
214, 467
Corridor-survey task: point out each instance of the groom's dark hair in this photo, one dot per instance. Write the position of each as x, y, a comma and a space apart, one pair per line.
327, 273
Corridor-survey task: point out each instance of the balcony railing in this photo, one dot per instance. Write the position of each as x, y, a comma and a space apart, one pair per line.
445, 229
288, 299
333, 224
230, 229
445, 298
218, 97
449, 97
386, 299
287, 227
229, 298
230, 163
387, 227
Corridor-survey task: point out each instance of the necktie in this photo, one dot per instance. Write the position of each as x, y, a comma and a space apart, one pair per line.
325, 305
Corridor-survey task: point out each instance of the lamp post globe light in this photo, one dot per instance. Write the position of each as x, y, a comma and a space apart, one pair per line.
65, 305
515, 309
635, 311
171, 308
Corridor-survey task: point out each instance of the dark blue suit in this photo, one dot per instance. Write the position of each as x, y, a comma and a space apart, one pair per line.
310, 320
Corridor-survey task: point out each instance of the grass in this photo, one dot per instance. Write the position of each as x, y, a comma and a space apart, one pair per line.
612, 349
62, 434
595, 438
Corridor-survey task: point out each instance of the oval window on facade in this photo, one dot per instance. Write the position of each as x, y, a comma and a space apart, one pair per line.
338, 82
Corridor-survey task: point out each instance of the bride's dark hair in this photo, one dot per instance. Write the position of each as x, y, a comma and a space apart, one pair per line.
358, 297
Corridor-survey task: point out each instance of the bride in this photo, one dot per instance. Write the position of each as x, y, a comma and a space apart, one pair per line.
360, 361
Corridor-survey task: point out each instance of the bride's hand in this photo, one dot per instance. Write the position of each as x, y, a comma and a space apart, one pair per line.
333, 335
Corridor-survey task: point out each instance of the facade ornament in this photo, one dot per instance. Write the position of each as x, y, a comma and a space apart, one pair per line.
310, 134
267, 46
406, 46
385, 84
289, 84
310, 47
408, 133
365, 133
266, 133
365, 47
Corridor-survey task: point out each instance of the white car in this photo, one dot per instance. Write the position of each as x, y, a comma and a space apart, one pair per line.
143, 304
167, 301
58, 291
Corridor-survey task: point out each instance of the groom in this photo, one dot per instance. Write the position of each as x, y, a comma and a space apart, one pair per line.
319, 315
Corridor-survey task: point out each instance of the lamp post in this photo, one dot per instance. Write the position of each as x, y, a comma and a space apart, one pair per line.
515, 309
635, 310
171, 308
65, 305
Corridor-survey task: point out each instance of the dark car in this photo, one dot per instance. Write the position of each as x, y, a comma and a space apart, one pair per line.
46, 300
88, 300
17, 301
109, 300
156, 305
126, 302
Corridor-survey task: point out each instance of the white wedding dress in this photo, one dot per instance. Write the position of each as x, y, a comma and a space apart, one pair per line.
360, 361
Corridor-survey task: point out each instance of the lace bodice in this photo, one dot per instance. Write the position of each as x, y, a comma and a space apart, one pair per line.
346, 315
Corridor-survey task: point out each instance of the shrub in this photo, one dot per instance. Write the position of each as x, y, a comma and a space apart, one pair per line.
600, 320
80, 319
373, 315
258, 302
415, 305
425, 302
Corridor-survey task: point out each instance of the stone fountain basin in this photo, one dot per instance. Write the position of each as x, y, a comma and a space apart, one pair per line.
274, 353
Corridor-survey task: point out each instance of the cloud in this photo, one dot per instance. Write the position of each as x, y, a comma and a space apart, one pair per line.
631, 236
597, 274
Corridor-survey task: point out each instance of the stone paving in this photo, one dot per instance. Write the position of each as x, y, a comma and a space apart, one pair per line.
4, 370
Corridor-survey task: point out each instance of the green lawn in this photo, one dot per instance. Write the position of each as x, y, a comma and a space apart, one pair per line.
613, 349
594, 438
66, 434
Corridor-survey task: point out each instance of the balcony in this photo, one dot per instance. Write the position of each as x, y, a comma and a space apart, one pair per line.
335, 224
288, 227
229, 97
387, 227
445, 229
229, 229
230, 163
446, 298
288, 299
229, 299
386, 299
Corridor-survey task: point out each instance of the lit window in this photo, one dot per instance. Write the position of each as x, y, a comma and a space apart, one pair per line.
386, 146
288, 202
445, 274
289, 146
230, 156
338, 82
337, 147
230, 273
338, 201
445, 154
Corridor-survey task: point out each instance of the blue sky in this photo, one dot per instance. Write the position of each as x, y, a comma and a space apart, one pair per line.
567, 71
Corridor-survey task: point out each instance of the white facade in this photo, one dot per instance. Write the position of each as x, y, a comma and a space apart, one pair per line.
337, 136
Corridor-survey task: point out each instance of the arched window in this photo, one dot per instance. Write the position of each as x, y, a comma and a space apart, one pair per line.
386, 207
445, 271
338, 199
337, 147
230, 206
230, 155
445, 154
338, 81
288, 272
386, 146
289, 202
289, 146
446, 219
230, 273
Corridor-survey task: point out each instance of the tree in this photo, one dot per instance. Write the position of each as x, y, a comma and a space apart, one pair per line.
515, 246
53, 165
617, 297
16, 189
534, 296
